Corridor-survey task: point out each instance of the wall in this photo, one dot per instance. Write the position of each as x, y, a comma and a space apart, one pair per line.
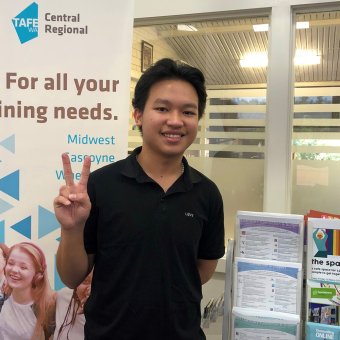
149, 34
277, 168
151, 8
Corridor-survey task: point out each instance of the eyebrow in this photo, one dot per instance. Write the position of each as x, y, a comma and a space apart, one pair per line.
19, 262
159, 101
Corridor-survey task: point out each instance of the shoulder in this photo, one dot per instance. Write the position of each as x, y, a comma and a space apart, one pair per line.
203, 182
105, 180
64, 294
107, 175
109, 169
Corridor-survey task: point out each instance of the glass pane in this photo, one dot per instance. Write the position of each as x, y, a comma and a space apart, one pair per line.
229, 147
316, 127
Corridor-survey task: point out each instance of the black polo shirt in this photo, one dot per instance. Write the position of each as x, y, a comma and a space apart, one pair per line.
146, 243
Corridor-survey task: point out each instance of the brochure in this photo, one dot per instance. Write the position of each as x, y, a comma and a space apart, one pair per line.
249, 324
269, 236
315, 331
323, 250
323, 292
267, 285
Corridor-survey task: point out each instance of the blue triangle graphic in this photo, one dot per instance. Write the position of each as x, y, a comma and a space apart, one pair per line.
10, 184
29, 31
58, 239
2, 231
47, 222
24, 227
9, 143
58, 284
4, 206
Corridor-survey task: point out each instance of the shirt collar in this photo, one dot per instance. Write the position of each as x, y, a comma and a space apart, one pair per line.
133, 169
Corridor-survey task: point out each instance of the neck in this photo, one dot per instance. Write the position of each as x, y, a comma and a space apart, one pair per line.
23, 296
163, 171
160, 166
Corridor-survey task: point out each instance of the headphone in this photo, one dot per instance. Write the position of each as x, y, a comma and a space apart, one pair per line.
39, 276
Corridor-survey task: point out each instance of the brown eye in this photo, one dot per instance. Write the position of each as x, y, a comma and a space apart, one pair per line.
189, 113
161, 109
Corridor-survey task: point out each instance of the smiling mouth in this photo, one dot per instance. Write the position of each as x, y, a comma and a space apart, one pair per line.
14, 278
172, 135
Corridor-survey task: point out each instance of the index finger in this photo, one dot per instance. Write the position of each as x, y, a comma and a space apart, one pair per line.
68, 174
85, 171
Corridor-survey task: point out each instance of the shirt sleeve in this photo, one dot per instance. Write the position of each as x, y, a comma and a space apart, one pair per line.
212, 243
90, 230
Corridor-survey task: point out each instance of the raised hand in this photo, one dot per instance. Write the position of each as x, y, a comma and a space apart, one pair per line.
72, 206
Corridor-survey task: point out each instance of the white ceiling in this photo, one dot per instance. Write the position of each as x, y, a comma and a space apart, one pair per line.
217, 47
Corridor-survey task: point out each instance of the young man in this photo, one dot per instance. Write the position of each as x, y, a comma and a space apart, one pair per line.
151, 225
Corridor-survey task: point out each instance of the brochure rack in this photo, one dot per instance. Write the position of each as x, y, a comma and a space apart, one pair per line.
267, 277
323, 279
226, 329
216, 314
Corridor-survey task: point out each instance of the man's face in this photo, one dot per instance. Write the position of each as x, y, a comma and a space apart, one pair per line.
170, 118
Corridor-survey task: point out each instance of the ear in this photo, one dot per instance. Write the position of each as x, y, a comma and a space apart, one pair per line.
137, 115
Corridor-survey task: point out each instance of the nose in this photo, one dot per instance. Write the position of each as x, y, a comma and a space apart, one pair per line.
175, 119
12, 269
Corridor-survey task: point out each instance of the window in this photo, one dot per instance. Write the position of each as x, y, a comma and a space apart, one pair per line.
229, 147
316, 130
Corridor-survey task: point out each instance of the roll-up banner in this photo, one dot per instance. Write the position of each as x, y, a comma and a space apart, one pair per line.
64, 87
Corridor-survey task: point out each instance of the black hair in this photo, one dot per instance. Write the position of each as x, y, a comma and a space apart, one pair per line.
166, 69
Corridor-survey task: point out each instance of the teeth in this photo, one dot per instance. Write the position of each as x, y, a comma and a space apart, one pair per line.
172, 136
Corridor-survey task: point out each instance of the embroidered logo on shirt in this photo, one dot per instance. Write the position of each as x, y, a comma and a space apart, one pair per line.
188, 214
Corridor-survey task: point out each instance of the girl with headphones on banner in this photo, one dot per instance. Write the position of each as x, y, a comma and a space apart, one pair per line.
3, 256
29, 311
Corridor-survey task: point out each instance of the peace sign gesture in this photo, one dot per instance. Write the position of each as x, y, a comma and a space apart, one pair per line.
72, 206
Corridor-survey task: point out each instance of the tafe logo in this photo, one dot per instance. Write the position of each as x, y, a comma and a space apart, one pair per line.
26, 23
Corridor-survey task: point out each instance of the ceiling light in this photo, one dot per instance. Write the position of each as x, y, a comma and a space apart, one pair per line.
188, 28
261, 27
306, 58
258, 59
302, 24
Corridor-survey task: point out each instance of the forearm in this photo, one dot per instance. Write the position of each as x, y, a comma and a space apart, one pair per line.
206, 269
72, 260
